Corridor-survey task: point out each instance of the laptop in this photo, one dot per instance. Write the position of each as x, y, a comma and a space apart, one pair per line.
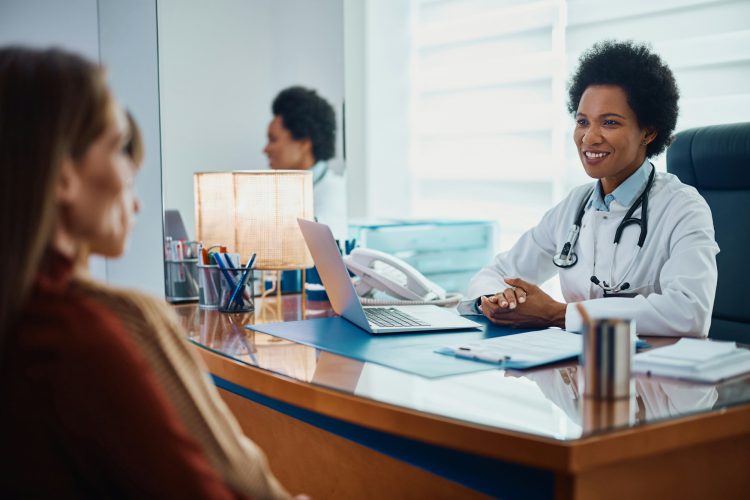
345, 302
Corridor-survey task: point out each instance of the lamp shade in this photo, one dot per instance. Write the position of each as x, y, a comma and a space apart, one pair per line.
256, 211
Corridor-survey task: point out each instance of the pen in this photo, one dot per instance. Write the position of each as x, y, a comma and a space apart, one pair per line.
243, 280
224, 271
480, 355
349, 245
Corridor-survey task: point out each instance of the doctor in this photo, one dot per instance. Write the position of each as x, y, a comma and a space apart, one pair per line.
636, 243
302, 136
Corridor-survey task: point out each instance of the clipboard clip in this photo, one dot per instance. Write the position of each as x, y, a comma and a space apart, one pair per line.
486, 355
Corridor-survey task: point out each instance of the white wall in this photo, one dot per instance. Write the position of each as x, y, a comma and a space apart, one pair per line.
220, 65
355, 34
71, 25
378, 86
127, 44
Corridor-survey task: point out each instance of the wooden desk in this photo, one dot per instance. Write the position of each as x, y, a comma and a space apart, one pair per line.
337, 428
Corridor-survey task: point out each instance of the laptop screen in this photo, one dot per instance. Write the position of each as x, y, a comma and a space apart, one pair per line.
333, 272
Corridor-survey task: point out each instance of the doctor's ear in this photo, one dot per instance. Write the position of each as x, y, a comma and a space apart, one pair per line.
649, 136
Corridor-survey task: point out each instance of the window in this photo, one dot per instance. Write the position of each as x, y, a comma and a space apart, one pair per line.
465, 99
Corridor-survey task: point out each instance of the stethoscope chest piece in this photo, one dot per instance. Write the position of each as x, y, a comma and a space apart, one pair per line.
565, 258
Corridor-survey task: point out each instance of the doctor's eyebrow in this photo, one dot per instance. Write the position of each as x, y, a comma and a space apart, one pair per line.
604, 115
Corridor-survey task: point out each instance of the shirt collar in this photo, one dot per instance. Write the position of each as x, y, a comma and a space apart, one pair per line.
625, 193
319, 171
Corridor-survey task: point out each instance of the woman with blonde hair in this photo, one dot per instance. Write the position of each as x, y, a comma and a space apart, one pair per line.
154, 327
83, 412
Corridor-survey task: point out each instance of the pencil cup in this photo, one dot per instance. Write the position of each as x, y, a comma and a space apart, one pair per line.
236, 290
209, 286
607, 353
181, 280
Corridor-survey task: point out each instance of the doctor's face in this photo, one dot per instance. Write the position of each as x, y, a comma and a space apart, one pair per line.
284, 151
608, 137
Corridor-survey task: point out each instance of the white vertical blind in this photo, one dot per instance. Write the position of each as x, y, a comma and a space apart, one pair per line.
485, 137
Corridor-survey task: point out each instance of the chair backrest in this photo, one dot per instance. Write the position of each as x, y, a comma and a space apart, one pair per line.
716, 161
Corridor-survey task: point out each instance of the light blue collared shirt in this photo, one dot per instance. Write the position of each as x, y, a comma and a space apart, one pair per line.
319, 170
625, 193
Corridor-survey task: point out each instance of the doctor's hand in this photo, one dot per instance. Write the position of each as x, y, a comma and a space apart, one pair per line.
537, 309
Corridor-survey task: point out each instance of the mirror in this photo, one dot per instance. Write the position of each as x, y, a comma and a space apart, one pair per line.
221, 63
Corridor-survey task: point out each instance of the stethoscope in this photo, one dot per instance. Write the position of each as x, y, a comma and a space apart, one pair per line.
320, 173
568, 258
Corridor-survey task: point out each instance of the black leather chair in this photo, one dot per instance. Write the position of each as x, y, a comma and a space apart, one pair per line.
716, 161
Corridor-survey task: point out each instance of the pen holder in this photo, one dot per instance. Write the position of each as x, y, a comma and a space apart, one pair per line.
607, 353
209, 286
236, 296
181, 280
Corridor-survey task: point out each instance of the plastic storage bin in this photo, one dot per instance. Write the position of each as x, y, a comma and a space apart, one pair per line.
446, 252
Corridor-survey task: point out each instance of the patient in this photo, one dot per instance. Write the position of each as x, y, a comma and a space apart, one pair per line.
83, 411
155, 329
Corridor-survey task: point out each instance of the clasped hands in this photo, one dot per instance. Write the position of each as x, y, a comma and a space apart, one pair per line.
522, 305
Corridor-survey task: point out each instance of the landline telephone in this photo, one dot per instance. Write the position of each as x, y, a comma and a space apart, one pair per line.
376, 270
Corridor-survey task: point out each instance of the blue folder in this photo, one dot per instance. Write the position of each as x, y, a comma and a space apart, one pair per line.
411, 352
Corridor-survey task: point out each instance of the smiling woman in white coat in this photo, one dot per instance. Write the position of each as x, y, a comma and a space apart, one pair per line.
636, 243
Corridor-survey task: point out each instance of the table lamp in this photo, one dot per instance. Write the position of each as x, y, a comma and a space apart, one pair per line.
256, 211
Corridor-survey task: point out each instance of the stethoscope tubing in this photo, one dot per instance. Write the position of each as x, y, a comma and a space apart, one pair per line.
567, 256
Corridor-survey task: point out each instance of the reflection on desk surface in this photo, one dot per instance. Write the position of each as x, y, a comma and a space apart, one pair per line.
543, 402
654, 399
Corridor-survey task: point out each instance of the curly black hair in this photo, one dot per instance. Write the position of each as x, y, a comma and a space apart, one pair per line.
308, 116
647, 81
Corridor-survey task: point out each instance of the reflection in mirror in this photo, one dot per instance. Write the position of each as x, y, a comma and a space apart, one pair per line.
221, 64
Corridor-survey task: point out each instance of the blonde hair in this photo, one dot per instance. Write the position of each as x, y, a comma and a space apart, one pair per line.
53, 105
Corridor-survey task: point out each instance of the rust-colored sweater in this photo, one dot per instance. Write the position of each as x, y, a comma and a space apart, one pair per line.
82, 414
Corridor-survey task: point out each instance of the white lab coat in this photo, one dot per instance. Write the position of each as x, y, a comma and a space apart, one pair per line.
329, 199
675, 274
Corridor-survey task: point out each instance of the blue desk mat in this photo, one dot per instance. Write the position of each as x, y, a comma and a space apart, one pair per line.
411, 353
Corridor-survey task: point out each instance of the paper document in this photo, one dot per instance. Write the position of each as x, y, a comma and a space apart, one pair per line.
694, 359
522, 350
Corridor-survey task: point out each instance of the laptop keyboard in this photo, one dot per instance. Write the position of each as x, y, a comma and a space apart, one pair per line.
390, 317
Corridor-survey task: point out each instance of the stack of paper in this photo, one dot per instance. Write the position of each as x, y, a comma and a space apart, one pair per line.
693, 359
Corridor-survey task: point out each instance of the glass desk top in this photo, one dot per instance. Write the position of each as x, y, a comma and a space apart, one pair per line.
544, 402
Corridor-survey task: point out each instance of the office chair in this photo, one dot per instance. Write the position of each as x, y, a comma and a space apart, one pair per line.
716, 161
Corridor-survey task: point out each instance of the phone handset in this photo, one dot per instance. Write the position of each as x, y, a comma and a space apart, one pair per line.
372, 268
